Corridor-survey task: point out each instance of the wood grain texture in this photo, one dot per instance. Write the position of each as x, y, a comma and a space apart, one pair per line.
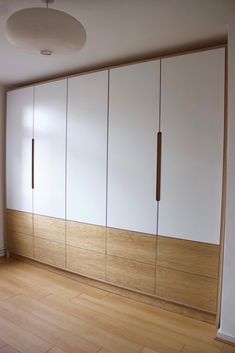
110, 324
130, 274
20, 339
147, 350
188, 256
34, 319
202, 348
50, 252
8, 349
20, 222
49, 228
86, 262
86, 236
189, 289
131, 245
228, 349
56, 350
186, 271
136, 296
20, 244
2, 343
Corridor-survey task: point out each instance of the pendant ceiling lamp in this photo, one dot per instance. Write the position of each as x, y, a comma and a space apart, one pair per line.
46, 31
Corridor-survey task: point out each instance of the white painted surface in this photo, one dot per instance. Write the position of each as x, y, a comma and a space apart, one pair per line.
116, 32
87, 148
192, 146
50, 142
227, 323
133, 126
19, 149
2, 169
223, 336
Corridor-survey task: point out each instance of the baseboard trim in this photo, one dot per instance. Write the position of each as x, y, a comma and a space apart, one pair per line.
2, 252
223, 337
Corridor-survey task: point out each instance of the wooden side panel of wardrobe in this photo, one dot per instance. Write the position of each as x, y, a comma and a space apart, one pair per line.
86, 236
186, 288
85, 262
188, 256
130, 274
131, 245
20, 222
49, 228
50, 252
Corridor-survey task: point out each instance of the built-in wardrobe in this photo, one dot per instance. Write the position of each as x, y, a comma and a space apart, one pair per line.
116, 175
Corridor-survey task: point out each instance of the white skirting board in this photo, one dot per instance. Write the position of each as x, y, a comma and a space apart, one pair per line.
225, 337
2, 252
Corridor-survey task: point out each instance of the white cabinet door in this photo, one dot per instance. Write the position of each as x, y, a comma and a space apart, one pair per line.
133, 126
87, 148
192, 146
50, 148
19, 149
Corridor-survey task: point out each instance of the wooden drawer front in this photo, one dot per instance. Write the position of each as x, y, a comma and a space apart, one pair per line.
50, 252
189, 289
130, 274
135, 246
85, 262
49, 228
20, 244
188, 256
20, 222
86, 236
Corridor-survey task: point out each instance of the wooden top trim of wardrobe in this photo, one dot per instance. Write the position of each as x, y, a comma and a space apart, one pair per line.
131, 62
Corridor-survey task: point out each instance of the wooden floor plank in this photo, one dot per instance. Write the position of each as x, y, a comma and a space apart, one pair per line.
151, 317
45, 312
2, 343
52, 333
16, 286
47, 284
153, 320
8, 349
77, 323
5, 292
228, 349
121, 329
56, 350
20, 339
53, 282
147, 350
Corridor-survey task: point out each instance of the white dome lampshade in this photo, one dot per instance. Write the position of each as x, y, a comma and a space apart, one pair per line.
45, 31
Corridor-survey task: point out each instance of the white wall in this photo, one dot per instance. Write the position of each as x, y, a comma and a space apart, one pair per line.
2, 164
227, 326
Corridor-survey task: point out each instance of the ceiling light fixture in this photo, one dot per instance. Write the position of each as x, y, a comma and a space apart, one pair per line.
45, 31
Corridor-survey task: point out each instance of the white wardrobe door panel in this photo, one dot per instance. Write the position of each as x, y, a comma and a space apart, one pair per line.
133, 126
87, 148
19, 149
50, 146
192, 146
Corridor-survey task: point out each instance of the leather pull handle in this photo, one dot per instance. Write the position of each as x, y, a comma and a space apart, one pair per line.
159, 162
32, 163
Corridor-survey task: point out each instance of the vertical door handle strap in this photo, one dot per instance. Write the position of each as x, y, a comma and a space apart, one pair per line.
32, 163
159, 162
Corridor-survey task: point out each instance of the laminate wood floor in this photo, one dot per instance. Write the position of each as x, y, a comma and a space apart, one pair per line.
42, 311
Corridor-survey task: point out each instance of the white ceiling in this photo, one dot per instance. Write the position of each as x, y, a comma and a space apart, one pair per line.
117, 31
